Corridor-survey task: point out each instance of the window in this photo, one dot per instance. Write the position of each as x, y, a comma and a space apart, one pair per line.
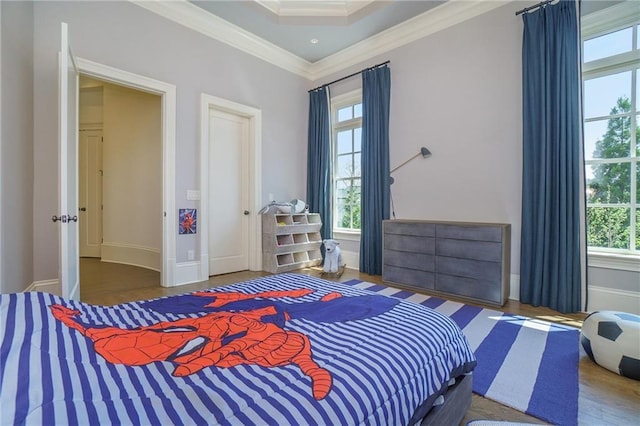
346, 120
611, 92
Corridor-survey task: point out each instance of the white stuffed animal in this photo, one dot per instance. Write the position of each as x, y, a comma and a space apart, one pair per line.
332, 256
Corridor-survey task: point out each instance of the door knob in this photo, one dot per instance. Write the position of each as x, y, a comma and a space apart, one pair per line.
246, 212
83, 209
62, 218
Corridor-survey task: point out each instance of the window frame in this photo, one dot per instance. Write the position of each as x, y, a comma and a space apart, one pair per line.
338, 102
599, 23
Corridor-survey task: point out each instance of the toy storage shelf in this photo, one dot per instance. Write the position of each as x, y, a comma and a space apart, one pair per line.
290, 241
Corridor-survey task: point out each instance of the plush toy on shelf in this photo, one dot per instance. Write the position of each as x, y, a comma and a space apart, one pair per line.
293, 206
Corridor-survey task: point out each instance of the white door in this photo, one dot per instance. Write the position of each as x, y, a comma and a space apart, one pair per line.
68, 164
90, 192
228, 193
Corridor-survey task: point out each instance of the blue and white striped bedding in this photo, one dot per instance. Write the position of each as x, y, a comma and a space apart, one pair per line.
374, 359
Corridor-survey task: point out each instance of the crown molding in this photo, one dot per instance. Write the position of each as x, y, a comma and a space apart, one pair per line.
338, 8
198, 19
439, 18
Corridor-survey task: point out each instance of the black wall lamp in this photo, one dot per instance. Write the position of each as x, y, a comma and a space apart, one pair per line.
423, 151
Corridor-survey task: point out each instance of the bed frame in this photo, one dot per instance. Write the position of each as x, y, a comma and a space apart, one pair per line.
457, 401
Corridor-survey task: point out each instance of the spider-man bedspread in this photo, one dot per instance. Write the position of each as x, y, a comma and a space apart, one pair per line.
284, 349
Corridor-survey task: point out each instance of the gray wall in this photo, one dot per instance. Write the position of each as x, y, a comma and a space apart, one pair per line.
17, 146
457, 92
125, 36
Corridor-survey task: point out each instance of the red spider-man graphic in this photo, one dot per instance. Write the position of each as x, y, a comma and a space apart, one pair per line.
218, 339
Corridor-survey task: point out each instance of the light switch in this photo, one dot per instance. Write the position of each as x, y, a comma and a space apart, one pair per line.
193, 194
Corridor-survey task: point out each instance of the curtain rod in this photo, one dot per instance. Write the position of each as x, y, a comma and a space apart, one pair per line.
350, 75
535, 6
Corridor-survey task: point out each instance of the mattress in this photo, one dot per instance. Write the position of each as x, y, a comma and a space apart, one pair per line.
282, 349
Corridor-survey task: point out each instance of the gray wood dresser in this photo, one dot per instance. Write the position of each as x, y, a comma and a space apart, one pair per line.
464, 259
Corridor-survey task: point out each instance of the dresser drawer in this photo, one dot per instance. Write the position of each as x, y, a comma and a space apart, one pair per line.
410, 277
403, 259
465, 249
410, 243
474, 233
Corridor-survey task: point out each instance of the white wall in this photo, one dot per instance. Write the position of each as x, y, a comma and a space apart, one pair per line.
16, 155
125, 36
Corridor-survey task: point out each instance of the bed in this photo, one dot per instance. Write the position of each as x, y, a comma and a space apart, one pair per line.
282, 349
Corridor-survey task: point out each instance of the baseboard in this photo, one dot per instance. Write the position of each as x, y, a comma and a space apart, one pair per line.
351, 258
144, 257
514, 287
608, 299
187, 273
46, 286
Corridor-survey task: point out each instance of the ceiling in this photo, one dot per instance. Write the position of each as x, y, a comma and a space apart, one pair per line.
348, 32
332, 25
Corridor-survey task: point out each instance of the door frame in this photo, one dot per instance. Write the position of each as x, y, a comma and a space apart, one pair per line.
208, 102
167, 93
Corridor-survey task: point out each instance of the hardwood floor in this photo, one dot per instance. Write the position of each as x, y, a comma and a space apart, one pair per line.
605, 398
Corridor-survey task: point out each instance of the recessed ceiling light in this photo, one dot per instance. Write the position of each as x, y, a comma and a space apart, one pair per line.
314, 41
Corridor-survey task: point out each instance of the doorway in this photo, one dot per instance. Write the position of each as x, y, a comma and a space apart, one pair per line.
167, 94
120, 180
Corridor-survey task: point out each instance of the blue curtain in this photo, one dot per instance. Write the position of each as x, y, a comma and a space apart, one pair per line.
551, 252
376, 93
319, 159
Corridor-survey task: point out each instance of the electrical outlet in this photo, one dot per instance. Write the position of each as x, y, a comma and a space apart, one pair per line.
191, 254
193, 194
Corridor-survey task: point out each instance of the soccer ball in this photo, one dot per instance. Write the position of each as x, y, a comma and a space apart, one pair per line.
612, 340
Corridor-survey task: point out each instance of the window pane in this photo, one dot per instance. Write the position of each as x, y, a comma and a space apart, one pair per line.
610, 184
637, 135
354, 204
611, 138
341, 186
637, 229
598, 145
357, 110
608, 45
341, 214
344, 142
344, 166
605, 95
345, 204
357, 139
608, 227
638, 184
345, 113
356, 164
